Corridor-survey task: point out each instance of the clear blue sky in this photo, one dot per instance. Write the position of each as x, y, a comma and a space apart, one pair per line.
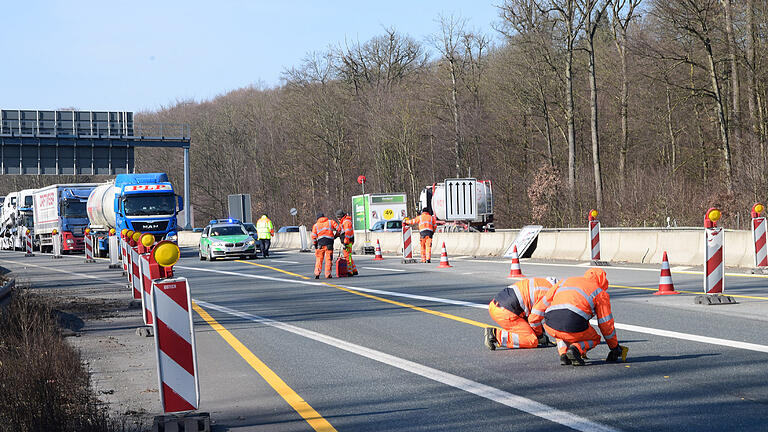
141, 55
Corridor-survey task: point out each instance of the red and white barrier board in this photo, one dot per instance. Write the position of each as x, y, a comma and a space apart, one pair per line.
28, 244
713, 264
124, 254
135, 275
88, 240
146, 289
113, 251
759, 236
175, 345
407, 244
594, 236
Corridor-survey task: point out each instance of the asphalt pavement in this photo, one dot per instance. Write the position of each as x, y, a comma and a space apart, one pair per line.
400, 347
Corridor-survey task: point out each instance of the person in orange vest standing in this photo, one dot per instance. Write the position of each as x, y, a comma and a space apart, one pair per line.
347, 237
427, 223
566, 310
324, 231
510, 308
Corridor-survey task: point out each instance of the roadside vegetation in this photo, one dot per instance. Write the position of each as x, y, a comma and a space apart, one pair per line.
44, 386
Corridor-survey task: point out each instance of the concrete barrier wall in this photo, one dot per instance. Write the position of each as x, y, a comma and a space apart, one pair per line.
685, 246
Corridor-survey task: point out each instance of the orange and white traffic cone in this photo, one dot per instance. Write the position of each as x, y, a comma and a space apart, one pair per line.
444, 258
514, 268
377, 253
666, 287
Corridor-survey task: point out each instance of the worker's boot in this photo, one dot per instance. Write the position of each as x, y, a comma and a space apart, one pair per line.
574, 355
544, 341
489, 336
317, 276
564, 361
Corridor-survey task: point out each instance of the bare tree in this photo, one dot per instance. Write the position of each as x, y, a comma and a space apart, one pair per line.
623, 12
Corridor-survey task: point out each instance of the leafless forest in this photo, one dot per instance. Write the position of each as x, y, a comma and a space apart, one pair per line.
641, 109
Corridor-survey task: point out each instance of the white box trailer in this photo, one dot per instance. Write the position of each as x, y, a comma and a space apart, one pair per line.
62, 207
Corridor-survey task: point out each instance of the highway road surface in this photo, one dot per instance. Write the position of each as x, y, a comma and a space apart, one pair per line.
400, 348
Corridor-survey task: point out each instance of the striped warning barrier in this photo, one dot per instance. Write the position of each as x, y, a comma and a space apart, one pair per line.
88, 239
28, 243
135, 275
146, 288
713, 253
407, 247
759, 236
56, 244
114, 245
594, 236
175, 345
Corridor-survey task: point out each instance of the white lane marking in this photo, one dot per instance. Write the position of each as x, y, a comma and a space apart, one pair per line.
285, 261
67, 272
383, 269
514, 401
629, 327
676, 269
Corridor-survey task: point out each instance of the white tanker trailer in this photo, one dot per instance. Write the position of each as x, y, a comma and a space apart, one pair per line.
434, 198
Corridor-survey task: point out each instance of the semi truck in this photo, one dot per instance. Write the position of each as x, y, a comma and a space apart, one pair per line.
17, 219
438, 199
144, 203
62, 207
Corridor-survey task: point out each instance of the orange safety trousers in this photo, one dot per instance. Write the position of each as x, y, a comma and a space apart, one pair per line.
426, 249
583, 340
515, 331
347, 251
323, 253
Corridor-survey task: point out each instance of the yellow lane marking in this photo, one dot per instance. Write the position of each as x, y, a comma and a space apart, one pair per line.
381, 299
312, 417
687, 292
272, 268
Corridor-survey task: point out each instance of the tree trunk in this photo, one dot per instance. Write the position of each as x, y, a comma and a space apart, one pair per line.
595, 136
624, 146
671, 131
723, 122
571, 124
735, 90
752, 71
455, 107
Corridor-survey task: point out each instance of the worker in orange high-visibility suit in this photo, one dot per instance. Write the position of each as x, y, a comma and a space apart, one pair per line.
347, 237
323, 233
510, 308
427, 224
566, 310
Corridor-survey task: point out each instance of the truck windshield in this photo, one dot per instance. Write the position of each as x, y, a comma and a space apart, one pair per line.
74, 209
149, 204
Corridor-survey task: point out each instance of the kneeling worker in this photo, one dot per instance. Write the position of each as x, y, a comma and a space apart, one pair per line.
511, 308
566, 310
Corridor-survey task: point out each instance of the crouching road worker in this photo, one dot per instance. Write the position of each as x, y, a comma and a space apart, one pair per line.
566, 310
347, 237
324, 231
427, 224
511, 308
264, 231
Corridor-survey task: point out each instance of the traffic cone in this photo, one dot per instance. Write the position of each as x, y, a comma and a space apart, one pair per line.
444, 258
666, 287
377, 253
514, 268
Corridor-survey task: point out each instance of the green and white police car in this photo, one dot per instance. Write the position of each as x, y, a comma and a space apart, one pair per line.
226, 238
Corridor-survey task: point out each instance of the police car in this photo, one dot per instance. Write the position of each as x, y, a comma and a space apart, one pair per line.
226, 238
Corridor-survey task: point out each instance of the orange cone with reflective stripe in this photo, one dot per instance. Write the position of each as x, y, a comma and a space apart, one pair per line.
377, 256
514, 268
666, 287
444, 259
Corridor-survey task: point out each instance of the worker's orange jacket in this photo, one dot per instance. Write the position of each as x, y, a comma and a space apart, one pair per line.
347, 229
520, 297
324, 231
426, 222
569, 305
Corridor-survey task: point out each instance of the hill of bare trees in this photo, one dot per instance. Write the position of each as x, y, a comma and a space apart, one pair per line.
642, 109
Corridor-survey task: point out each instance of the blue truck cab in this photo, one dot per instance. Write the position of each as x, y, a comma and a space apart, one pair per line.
143, 203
